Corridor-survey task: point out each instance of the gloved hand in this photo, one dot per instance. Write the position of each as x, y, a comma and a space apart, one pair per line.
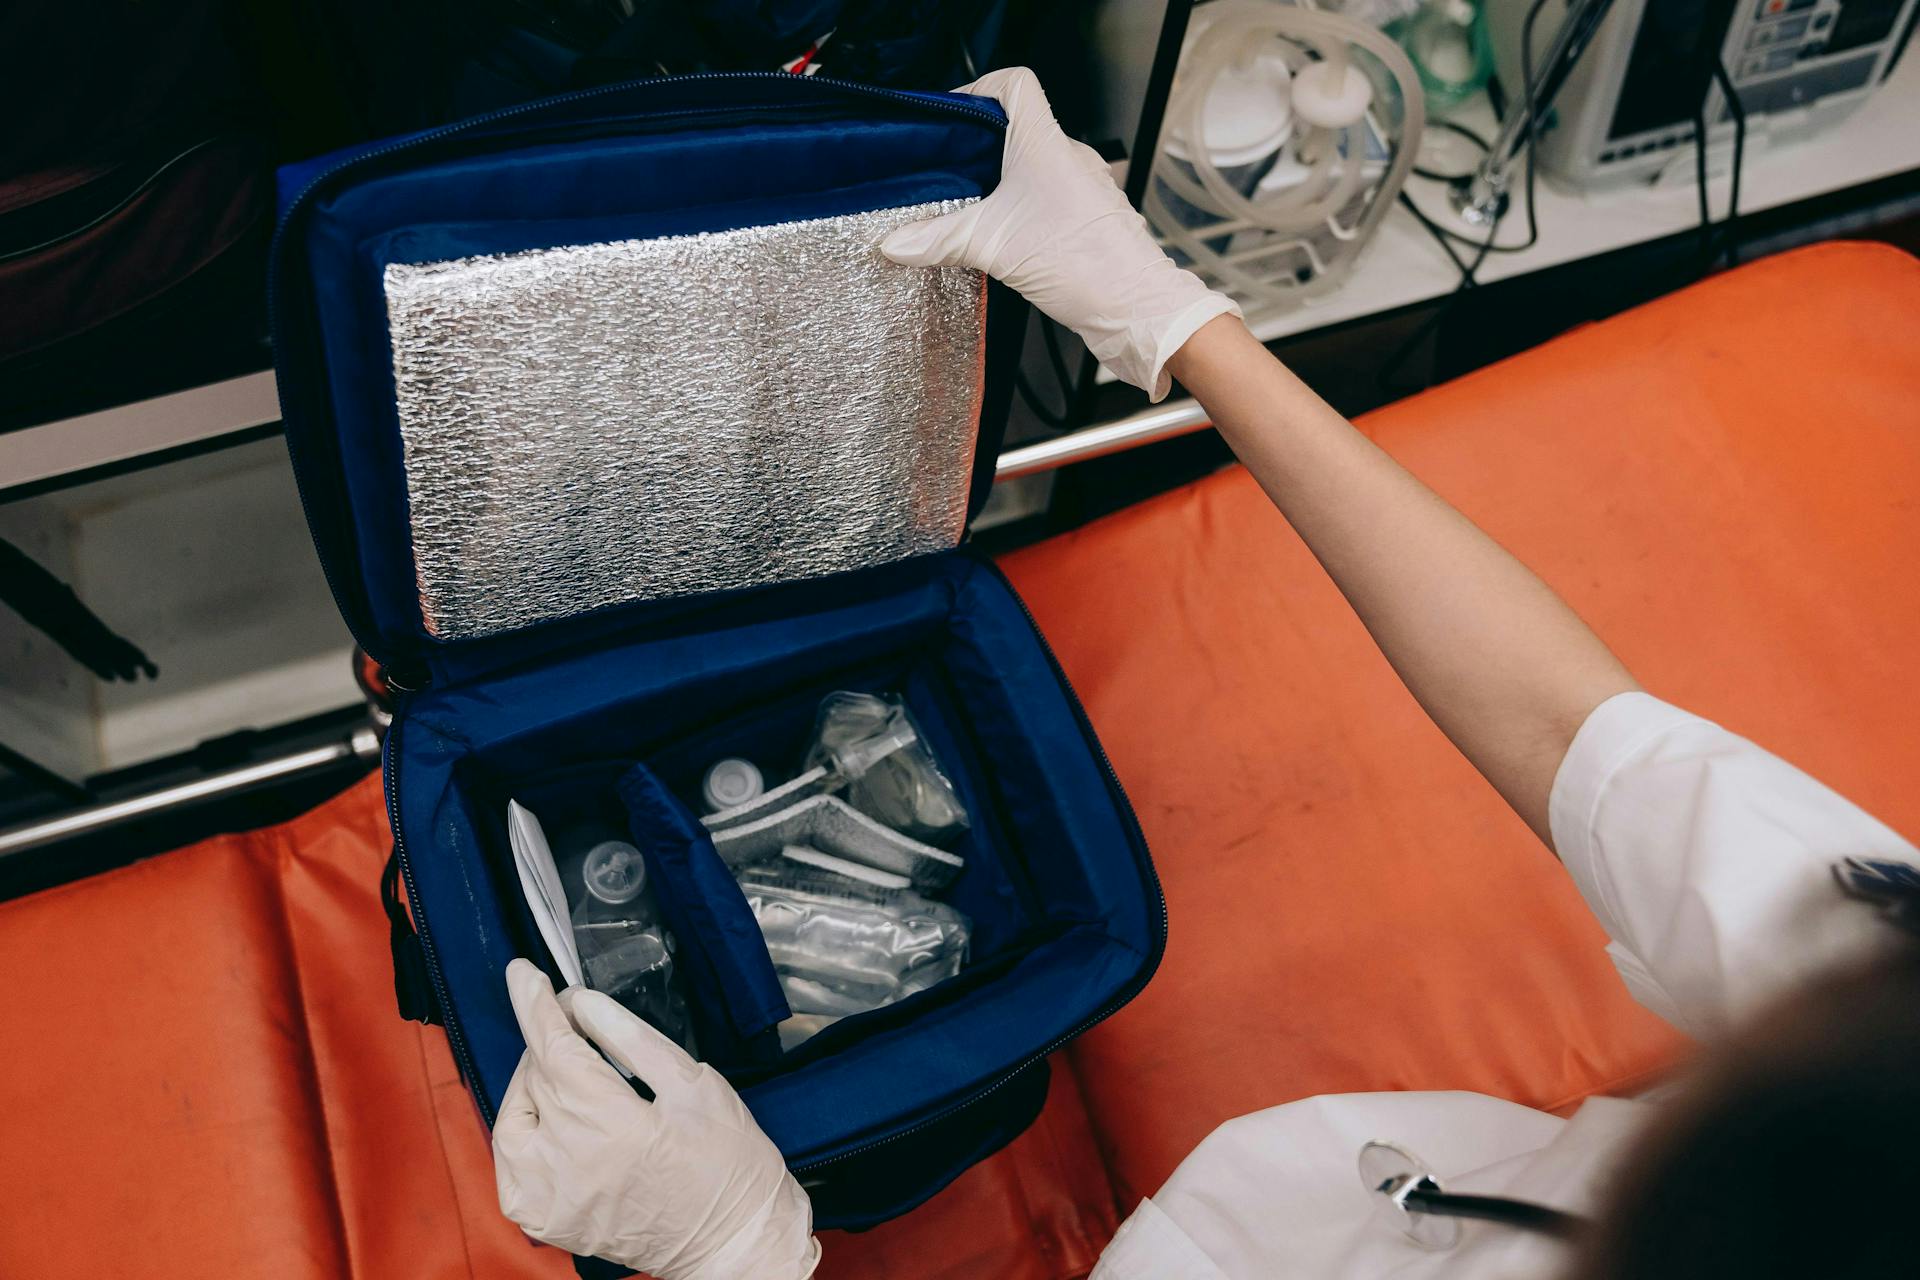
685, 1187
1059, 231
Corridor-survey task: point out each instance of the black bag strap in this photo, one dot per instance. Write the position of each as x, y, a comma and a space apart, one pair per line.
412, 987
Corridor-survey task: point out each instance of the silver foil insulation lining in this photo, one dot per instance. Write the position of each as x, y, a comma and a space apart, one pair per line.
598, 424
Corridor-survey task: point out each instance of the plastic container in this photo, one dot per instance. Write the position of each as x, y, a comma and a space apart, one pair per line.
730, 783
625, 949
875, 749
614, 872
1245, 124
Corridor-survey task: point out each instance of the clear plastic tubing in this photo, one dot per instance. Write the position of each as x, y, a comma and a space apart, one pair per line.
1228, 38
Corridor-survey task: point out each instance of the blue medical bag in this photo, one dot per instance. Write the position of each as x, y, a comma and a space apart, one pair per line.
621, 447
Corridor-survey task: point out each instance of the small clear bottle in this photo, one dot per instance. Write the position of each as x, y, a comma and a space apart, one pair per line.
625, 948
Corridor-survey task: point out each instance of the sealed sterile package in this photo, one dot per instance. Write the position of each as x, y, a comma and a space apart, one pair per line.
829, 824
843, 948
631, 960
625, 949
811, 783
627, 952
890, 774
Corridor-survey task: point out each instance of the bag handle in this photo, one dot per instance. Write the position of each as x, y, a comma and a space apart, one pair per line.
412, 986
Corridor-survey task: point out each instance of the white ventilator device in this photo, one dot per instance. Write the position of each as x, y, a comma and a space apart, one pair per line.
1288, 134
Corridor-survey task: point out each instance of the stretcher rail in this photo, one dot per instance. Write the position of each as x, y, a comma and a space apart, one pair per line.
362, 744
1161, 422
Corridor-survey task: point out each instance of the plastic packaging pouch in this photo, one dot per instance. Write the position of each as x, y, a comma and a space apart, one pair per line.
876, 747
843, 948
632, 961
625, 949
831, 825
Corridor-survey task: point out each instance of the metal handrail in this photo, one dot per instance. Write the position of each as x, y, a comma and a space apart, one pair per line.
362, 744
1161, 422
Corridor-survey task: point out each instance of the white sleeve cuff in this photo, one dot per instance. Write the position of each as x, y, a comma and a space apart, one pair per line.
1204, 310
1708, 861
1616, 731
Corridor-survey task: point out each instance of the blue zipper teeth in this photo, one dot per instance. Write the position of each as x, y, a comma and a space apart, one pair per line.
456, 1039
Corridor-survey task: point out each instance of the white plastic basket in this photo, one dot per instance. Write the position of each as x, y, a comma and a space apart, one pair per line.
1277, 233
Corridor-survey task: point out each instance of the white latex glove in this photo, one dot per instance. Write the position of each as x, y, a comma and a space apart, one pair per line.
1060, 232
685, 1187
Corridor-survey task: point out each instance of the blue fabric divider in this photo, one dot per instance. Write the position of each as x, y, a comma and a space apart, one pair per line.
1060, 851
733, 994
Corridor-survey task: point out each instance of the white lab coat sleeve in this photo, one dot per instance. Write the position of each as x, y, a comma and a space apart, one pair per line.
1709, 861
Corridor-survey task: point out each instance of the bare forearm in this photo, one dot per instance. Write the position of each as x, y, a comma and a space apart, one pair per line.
1503, 666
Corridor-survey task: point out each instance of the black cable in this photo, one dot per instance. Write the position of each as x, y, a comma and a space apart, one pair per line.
1384, 377
1051, 337
1447, 238
1513, 1213
1057, 421
1533, 117
1739, 113
1453, 126
1441, 236
1487, 246
1707, 58
1467, 279
1432, 322
1061, 419
1700, 180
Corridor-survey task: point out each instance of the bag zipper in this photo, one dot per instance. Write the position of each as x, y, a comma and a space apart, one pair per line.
450, 1021
1122, 998
446, 132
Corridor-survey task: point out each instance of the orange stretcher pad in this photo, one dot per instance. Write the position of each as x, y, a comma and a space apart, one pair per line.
205, 1074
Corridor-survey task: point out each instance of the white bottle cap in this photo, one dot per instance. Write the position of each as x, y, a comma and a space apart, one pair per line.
730, 782
1330, 97
614, 872
1248, 115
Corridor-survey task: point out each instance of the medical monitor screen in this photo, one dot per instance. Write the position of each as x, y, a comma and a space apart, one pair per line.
1667, 72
